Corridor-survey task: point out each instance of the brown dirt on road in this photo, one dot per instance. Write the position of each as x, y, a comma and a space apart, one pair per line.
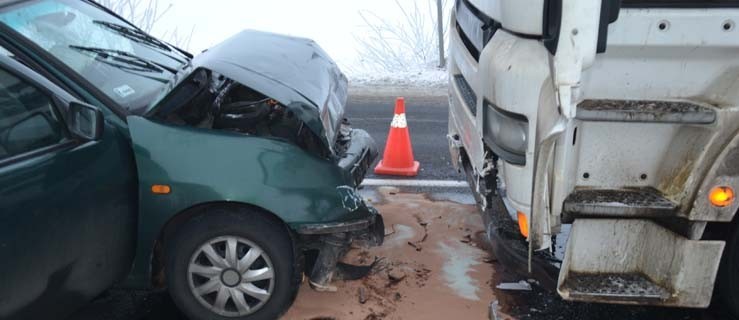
428, 268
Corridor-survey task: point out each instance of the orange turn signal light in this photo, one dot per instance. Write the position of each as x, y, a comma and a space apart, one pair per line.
161, 189
721, 196
523, 224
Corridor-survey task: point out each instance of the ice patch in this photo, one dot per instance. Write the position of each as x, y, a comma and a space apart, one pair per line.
457, 268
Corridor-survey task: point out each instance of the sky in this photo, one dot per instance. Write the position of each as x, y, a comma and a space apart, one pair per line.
334, 24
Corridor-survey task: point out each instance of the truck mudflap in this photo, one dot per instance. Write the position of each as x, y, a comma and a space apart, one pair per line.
631, 261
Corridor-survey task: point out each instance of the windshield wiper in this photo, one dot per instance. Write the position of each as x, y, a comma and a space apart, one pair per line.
142, 37
126, 60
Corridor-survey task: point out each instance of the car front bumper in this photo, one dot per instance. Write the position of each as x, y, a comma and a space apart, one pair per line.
333, 240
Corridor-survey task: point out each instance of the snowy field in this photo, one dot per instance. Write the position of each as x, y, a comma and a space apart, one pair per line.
391, 42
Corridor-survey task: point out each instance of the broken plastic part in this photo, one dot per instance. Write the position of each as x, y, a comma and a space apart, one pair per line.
332, 248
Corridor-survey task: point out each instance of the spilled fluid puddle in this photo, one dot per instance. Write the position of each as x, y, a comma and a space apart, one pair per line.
457, 269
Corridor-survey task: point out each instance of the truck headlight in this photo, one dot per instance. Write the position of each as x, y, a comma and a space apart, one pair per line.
506, 133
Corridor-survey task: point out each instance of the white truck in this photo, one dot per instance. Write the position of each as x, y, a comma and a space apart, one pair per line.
601, 139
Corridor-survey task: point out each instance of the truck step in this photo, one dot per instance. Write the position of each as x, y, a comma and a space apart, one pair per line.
637, 261
645, 111
641, 202
631, 287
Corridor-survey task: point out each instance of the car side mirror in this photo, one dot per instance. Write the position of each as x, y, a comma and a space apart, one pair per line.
85, 121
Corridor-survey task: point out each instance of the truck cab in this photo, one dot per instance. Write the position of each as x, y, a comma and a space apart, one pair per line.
600, 139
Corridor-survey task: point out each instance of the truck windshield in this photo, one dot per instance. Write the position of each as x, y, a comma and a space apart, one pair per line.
123, 62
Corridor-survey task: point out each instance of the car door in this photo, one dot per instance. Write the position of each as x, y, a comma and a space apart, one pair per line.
67, 204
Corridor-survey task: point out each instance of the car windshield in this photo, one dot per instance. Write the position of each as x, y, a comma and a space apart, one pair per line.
123, 62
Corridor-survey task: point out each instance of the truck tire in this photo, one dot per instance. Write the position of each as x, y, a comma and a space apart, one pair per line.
728, 276
232, 263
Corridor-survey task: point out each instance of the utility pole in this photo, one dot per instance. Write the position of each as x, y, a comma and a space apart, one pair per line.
440, 31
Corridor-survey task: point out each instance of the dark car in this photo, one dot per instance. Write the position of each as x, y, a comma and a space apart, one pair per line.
123, 158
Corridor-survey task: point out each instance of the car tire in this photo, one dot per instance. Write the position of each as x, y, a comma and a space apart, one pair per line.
728, 277
201, 274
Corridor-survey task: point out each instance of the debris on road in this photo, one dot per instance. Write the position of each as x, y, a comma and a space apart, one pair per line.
493, 313
396, 276
467, 239
362, 293
490, 260
415, 246
522, 285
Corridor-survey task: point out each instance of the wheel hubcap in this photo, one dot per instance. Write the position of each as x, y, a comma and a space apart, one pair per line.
231, 276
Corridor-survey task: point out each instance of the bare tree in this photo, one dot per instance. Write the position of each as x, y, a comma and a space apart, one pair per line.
145, 14
404, 44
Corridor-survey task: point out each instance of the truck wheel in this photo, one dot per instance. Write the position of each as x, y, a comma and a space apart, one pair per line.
231, 264
728, 276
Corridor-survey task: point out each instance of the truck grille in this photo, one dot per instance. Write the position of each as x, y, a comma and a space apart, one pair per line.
469, 96
474, 28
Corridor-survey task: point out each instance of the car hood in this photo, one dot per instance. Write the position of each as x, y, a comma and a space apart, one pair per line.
294, 71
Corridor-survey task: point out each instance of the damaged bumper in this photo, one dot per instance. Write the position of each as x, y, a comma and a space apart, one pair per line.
333, 240
352, 226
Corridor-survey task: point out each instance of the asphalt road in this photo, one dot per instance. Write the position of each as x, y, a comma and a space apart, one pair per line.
427, 120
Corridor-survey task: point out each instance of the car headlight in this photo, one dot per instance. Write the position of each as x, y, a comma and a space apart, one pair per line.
506, 133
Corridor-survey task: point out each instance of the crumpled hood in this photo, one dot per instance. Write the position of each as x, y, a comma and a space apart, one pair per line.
294, 71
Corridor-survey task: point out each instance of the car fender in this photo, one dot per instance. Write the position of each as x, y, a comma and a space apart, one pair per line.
203, 166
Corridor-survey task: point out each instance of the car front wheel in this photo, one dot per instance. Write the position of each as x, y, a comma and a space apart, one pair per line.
231, 264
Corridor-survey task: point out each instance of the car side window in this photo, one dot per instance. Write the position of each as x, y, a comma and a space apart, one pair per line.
27, 118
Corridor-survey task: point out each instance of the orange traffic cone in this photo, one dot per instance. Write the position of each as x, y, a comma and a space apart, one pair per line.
398, 157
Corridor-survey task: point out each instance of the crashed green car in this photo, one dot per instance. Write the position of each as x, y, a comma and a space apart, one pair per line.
213, 176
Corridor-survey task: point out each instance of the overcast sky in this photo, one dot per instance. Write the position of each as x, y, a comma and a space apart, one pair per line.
332, 23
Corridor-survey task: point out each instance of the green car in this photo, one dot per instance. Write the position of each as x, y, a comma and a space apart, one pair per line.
221, 177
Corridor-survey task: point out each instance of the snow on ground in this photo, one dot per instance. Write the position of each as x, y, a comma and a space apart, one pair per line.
430, 77
339, 26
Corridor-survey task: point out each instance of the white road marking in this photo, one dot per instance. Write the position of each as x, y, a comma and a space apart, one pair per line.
415, 183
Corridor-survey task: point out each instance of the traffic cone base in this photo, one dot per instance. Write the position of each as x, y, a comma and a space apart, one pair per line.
411, 171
